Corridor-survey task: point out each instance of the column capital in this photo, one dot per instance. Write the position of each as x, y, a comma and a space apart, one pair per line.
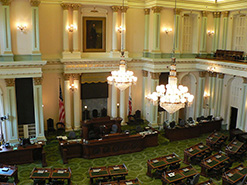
34, 3
144, 73
244, 80
202, 73
146, 11
65, 6
177, 11
76, 76
221, 75
212, 74
6, 2
115, 8
155, 76
67, 76
38, 80
156, 9
225, 14
204, 13
10, 82
216, 14
75, 6
124, 9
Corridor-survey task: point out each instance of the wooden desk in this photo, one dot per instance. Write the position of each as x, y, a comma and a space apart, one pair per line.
233, 147
161, 162
122, 182
61, 173
193, 151
118, 170
23, 155
234, 175
12, 172
41, 173
212, 161
213, 138
180, 174
208, 182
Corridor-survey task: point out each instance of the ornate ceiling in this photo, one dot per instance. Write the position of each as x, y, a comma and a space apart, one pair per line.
208, 5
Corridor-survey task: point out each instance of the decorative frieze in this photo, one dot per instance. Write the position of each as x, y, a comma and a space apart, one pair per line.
34, 3
38, 80
10, 82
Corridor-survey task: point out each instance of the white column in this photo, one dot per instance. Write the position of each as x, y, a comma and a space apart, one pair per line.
144, 92
114, 52
7, 50
38, 109
76, 52
123, 34
35, 27
203, 43
154, 108
65, 7
156, 28
225, 29
200, 93
242, 121
114, 113
146, 30
216, 31
220, 80
67, 103
212, 96
123, 107
11, 123
177, 30
76, 99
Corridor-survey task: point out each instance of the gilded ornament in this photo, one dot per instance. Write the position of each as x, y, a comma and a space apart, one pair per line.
38, 80
156, 9
146, 11
144, 73
10, 82
34, 3
115, 8
65, 6
155, 76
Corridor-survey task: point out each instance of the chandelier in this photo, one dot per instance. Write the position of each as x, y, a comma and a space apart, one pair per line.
122, 78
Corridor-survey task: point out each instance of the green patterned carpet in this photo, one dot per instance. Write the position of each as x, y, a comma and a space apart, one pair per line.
135, 162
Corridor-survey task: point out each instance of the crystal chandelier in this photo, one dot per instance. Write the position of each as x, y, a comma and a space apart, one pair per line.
171, 97
122, 79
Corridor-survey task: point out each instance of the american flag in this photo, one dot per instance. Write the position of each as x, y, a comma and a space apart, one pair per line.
61, 106
130, 102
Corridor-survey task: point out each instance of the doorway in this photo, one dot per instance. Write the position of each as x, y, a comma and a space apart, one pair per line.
233, 118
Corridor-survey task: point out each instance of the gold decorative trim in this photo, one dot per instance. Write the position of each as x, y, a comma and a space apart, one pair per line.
75, 6
225, 14
156, 9
124, 9
76, 76
34, 3
144, 73
155, 76
146, 11
244, 80
202, 73
115, 8
212, 74
216, 14
177, 11
5, 2
38, 80
221, 75
65, 6
10, 82
204, 14
66, 76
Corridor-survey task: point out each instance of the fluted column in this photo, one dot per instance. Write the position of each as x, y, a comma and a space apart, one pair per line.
154, 108
146, 30
242, 119
144, 92
123, 24
114, 27
216, 31
225, 28
203, 43
7, 48
212, 87
200, 90
156, 28
76, 51
65, 7
76, 101
123, 107
220, 81
176, 31
114, 110
67, 102
35, 26
11, 123
38, 109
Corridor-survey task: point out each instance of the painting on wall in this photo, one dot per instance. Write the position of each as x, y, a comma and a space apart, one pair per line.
94, 29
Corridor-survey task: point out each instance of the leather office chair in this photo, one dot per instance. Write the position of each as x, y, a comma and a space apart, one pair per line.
243, 182
60, 128
172, 124
103, 112
50, 125
72, 135
194, 180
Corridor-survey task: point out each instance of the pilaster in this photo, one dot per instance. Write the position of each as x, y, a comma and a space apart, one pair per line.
66, 51
144, 92
176, 30
114, 101
203, 43
76, 53
146, 29
212, 96
225, 29
156, 28
219, 92
123, 107
216, 16
242, 121
123, 24
67, 102
114, 51
200, 90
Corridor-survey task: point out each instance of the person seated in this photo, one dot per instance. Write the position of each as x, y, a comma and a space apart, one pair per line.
95, 113
172, 124
114, 129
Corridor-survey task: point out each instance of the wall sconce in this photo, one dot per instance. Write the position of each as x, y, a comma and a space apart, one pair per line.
21, 27
205, 99
120, 29
71, 28
210, 32
167, 30
72, 87
211, 69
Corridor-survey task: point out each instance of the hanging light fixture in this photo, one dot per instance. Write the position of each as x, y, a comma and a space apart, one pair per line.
122, 78
171, 97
